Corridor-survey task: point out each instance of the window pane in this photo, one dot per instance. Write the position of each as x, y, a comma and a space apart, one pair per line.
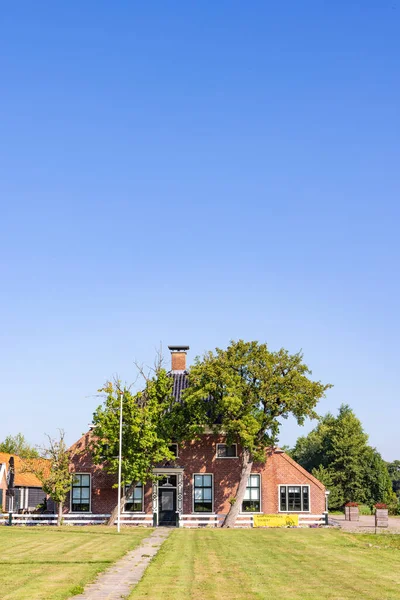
207, 480
134, 502
85, 501
283, 505
251, 500
207, 493
231, 450
306, 505
85, 493
221, 450
198, 494
251, 506
85, 480
255, 494
198, 480
137, 493
174, 449
294, 498
76, 493
202, 506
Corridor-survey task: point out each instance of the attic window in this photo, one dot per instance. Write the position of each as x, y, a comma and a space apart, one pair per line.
174, 449
226, 451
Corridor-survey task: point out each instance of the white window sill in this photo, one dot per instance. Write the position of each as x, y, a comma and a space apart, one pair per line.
225, 457
134, 512
294, 512
77, 512
251, 512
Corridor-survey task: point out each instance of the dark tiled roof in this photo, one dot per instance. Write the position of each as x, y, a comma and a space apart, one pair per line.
181, 382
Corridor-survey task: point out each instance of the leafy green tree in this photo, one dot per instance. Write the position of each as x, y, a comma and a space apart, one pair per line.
338, 454
53, 473
394, 473
244, 391
347, 454
377, 482
327, 477
17, 444
147, 430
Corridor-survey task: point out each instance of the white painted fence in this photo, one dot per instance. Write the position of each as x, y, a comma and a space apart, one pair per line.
242, 521
75, 519
190, 520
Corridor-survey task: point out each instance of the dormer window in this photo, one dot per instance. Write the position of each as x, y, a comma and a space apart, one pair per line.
226, 450
174, 449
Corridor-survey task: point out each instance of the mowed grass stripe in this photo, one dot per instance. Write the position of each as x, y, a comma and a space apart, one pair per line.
300, 564
46, 563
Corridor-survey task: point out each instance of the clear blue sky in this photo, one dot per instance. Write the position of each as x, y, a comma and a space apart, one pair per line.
193, 172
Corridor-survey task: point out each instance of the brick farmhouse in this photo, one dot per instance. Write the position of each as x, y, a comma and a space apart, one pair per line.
199, 482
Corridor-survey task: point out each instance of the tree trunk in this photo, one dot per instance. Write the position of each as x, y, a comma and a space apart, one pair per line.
114, 512
234, 510
59, 514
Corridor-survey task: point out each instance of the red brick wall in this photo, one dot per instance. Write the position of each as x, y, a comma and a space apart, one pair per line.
278, 469
200, 457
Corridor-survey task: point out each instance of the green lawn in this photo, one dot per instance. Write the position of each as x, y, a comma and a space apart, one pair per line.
46, 563
288, 564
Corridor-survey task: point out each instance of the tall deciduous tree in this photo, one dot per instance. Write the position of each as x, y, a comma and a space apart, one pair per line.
17, 444
244, 391
338, 454
394, 473
53, 473
147, 430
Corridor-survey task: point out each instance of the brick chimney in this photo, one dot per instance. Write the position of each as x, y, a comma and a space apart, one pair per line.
178, 358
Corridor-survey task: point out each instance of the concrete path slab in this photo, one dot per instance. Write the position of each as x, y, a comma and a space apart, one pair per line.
118, 580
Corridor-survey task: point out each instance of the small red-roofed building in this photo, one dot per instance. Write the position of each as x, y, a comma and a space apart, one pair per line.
27, 488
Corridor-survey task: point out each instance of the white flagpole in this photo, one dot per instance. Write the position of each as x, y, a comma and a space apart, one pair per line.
119, 463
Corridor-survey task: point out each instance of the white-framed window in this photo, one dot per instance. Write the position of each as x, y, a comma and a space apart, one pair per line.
226, 450
202, 492
134, 502
174, 449
80, 492
294, 498
252, 496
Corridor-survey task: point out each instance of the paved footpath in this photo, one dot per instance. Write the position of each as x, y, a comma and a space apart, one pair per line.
118, 581
366, 524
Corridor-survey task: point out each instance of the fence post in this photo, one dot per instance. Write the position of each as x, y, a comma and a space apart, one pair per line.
326, 518
10, 518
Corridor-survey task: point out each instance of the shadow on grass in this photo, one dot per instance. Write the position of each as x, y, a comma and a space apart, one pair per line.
35, 530
56, 562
